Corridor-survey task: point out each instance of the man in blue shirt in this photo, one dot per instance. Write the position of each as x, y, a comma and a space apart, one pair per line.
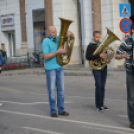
54, 71
1, 62
127, 46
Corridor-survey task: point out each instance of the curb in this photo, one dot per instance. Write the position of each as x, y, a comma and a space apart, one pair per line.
23, 73
85, 73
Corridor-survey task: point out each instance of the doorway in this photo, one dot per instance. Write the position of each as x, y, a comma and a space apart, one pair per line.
11, 44
39, 35
39, 28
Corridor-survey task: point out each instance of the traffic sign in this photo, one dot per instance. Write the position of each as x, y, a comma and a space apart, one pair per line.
125, 10
125, 25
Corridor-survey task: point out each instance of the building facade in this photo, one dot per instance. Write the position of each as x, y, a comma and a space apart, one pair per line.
22, 25
24, 22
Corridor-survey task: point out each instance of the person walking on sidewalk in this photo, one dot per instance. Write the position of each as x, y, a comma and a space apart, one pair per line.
54, 71
126, 51
1, 62
100, 76
3, 50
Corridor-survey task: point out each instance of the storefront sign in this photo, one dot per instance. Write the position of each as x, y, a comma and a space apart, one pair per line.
7, 20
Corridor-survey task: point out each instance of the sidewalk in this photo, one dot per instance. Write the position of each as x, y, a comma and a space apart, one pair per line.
68, 71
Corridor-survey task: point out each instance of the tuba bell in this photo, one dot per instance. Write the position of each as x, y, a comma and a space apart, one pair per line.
66, 43
100, 63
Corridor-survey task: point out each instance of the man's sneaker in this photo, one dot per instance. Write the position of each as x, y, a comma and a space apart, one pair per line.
1, 104
64, 113
105, 108
99, 109
54, 115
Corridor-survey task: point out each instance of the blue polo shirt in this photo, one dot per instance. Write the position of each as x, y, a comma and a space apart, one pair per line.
50, 45
1, 61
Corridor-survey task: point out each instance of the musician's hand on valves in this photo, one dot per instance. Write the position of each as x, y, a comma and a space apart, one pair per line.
103, 56
124, 56
127, 57
61, 50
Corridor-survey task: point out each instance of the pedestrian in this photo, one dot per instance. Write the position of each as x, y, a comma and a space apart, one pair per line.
3, 50
1, 62
126, 51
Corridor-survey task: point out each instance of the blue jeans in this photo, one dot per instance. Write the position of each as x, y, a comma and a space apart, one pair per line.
130, 95
55, 79
100, 77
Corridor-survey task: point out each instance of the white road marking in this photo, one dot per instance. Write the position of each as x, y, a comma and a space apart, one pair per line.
32, 103
65, 120
108, 130
41, 130
125, 116
38, 94
81, 97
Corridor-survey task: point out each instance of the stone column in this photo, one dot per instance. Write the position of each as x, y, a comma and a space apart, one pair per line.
24, 44
48, 13
96, 8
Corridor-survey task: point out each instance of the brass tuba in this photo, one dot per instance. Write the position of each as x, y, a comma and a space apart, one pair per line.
100, 63
67, 43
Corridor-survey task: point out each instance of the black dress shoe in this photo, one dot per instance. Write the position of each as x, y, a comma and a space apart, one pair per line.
54, 115
132, 125
64, 113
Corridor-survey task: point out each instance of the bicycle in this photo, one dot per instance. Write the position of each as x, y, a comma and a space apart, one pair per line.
37, 58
